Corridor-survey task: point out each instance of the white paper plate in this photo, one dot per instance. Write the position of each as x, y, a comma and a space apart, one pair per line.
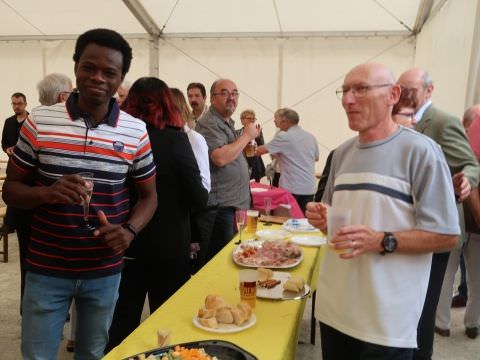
254, 243
277, 293
227, 328
272, 234
299, 225
309, 240
258, 190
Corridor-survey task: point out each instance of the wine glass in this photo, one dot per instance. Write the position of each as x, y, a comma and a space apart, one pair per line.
267, 203
240, 216
88, 178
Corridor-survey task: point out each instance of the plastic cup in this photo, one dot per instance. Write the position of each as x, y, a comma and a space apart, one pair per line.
337, 217
248, 286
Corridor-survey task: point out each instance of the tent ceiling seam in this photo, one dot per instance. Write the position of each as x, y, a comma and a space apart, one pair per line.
401, 22
23, 17
143, 17
264, 35
280, 28
423, 14
169, 16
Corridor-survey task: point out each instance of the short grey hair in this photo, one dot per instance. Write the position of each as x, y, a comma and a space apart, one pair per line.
291, 116
51, 86
426, 79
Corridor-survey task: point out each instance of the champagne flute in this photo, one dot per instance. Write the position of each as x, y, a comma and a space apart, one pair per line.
267, 203
88, 178
240, 216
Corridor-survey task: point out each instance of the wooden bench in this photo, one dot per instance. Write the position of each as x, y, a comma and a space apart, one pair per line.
4, 234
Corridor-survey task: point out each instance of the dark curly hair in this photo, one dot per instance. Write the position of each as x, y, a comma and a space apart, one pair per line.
151, 100
408, 98
107, 38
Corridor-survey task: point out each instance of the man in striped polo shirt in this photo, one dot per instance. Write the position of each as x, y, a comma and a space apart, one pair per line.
66, 260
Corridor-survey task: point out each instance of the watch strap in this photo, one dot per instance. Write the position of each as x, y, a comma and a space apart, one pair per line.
130, 228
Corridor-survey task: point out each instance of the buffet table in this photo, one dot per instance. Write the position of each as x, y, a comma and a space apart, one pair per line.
278, 195
274, 336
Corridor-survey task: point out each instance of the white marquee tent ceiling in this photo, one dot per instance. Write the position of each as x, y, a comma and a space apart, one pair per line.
26, 19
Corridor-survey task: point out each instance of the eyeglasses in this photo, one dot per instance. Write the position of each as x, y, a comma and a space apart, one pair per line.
407, 115
358, 90
227, 94
18, 103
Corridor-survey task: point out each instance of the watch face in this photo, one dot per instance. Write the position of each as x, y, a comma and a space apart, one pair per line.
389, 243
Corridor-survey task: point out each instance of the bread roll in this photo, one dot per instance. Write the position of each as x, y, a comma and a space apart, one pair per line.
294, 284
264, 274
224, 315
203, 312
215, 302
209, 322
238, 316
246, 308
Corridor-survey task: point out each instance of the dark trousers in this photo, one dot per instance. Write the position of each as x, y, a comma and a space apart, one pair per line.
462, 287
158, 279
303, 200
204, 223
276, 179
23, 235
426, 325
20, 220
222, 230
339, 346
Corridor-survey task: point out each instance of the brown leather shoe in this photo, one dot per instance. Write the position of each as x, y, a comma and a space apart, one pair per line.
472, 332
442, 332
459, 301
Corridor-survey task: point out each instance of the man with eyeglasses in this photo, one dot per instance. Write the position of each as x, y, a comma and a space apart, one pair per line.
447, 131
15, 219
12, 125
374, 275
230, 179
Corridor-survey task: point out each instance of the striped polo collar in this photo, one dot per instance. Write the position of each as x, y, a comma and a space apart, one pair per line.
75, 113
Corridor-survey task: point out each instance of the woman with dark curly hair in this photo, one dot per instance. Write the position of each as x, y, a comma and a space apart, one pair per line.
157, 262
403, 111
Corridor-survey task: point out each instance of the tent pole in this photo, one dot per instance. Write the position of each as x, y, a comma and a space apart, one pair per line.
153, 56
281, 45
150, 26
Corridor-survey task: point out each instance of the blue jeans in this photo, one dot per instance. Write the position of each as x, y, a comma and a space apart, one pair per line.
45, 306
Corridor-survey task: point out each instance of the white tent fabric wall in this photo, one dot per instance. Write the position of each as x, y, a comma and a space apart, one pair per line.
301, 72
312, 69
445, 47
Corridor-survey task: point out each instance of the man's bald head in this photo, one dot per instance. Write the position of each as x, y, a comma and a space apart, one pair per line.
368, 95
419, 79
374, 72
224, 97
472, 113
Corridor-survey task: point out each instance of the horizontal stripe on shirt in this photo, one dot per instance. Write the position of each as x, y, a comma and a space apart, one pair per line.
52, 144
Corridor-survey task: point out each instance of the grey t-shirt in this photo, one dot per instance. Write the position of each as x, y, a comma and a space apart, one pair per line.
230, 183
395, 184
297, 152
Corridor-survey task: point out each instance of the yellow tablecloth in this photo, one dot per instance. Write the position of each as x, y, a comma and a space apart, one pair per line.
274, 336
